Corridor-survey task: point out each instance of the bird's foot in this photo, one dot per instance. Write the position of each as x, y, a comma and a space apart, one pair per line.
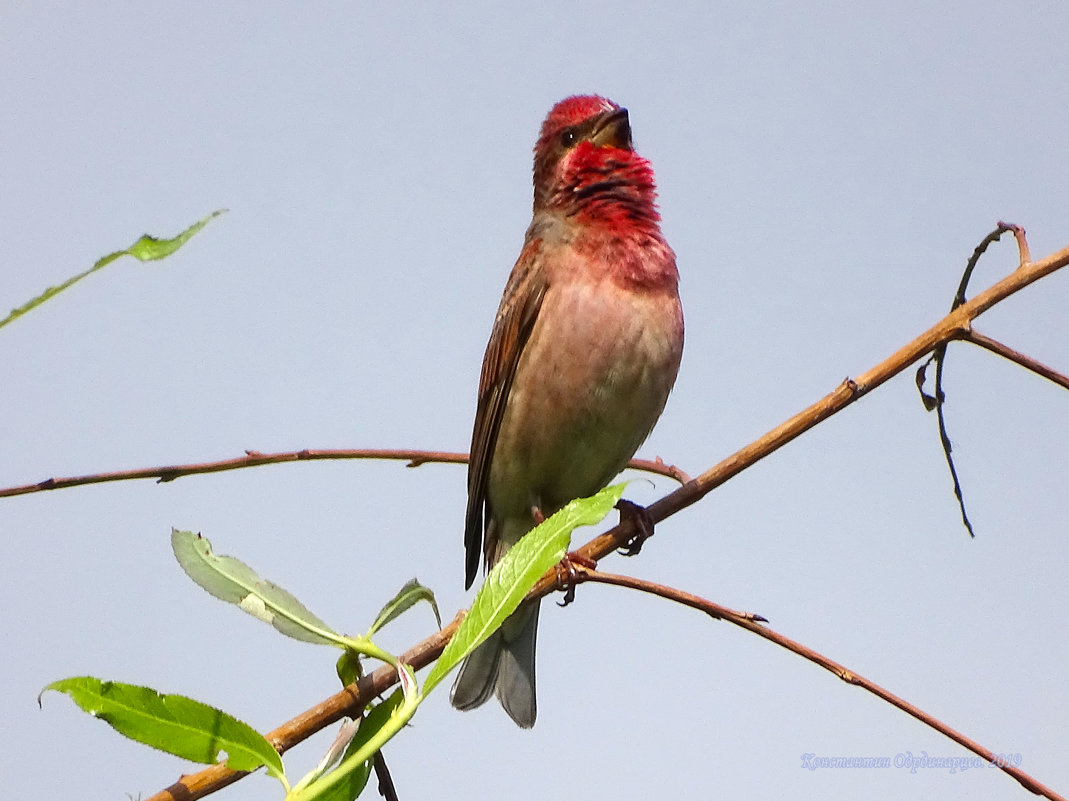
568, 576
643, 523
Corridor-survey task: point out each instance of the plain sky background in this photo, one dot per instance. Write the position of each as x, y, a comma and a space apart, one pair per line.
825, 170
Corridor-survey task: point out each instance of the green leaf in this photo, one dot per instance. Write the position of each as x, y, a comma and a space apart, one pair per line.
172, 723
348, 668
146, 248
408, 596
235, 582
514, 575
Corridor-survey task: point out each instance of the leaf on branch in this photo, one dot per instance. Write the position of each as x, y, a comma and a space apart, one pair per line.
349, 668
231, 580
147, 248
408, 596
173, 723
517, 571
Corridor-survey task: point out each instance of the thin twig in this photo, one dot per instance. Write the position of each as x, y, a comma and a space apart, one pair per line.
382, 773
974, 259
944, 436
748, 622
415, 458
1022, 359
937, 400
1024, 257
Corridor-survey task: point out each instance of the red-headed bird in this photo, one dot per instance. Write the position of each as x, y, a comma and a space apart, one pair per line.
583, 353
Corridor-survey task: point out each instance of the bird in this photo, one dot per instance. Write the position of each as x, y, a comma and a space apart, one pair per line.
584, 351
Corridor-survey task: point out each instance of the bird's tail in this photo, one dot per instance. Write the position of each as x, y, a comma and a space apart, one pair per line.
505, 665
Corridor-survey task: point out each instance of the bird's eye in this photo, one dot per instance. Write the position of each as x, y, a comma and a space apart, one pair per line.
568, 137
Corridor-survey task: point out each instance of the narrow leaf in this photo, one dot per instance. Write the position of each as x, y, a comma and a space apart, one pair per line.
149, 248
338, 749
339, 746
172, 723
235, 582
513, 576
408, 596
146, 248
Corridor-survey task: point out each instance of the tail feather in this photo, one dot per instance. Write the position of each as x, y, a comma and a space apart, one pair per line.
478, 674
505, 665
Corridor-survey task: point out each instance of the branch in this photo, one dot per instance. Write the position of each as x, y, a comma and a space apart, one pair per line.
352, 699
1022, 359
386, 786
256, 459
753, 623
936, 402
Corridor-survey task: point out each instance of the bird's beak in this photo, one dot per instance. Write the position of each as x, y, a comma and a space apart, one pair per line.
612, 130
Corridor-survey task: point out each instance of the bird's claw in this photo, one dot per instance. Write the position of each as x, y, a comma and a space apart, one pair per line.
567, 575
643, 524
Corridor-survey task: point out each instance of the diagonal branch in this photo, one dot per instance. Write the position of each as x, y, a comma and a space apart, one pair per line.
752, 623
353, 699
1026, 361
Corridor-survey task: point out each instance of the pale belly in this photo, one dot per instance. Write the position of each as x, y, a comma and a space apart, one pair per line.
584, 397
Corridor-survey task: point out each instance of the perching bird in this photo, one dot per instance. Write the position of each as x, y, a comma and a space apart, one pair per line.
583, 353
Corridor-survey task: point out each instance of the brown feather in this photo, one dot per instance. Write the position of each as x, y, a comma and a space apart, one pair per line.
512, 327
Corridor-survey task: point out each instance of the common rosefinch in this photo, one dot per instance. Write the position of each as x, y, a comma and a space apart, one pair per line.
583, 353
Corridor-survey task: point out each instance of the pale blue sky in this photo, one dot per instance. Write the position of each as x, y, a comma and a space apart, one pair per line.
824, 173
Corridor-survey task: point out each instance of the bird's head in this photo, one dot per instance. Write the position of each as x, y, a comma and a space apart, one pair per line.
584, 160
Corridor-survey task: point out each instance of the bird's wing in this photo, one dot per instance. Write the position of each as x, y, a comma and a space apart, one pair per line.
515, 319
